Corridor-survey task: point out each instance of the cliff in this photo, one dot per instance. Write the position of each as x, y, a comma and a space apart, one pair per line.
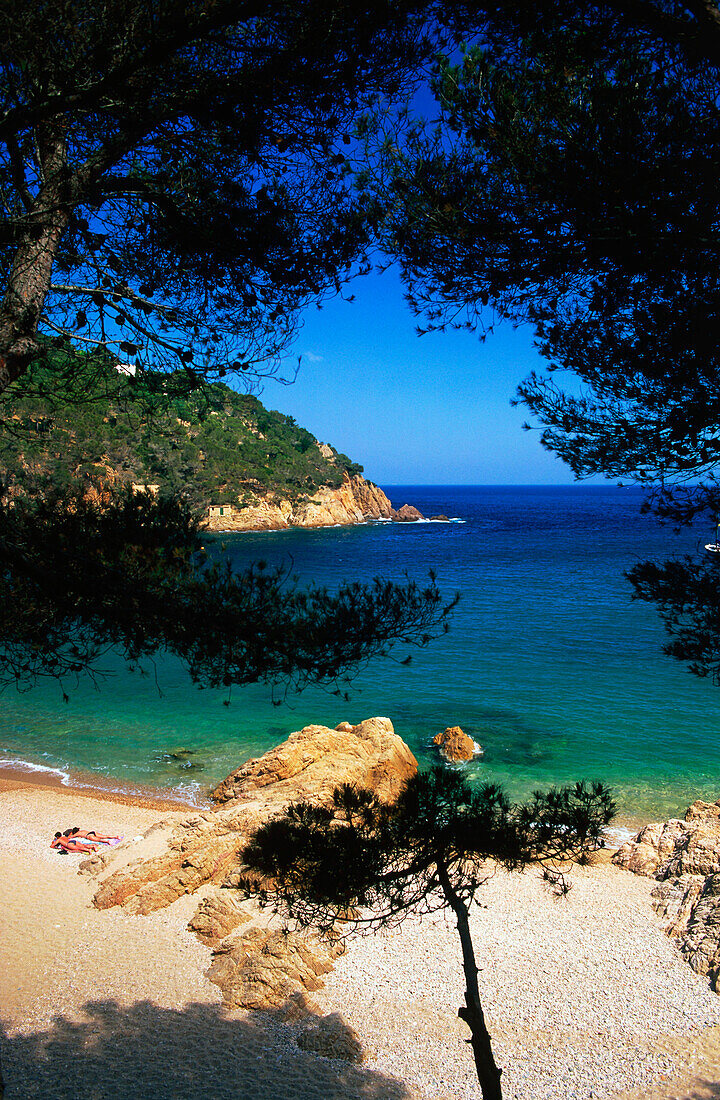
354, 501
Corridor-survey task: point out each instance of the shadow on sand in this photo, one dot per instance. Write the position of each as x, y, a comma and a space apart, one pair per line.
195, 1053
705, 1090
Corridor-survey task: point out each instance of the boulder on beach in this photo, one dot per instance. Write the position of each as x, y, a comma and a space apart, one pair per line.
684, 856
263, 967
254, 963
313, 761
455, 745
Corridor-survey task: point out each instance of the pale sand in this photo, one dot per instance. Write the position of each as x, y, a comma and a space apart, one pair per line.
585, 997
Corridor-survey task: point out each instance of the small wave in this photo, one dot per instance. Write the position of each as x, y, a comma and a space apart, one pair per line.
194, 793
27, 766
450, 519
620, 834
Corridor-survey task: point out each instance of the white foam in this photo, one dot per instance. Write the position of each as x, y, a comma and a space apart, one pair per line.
620, 834
190, 792
26, 765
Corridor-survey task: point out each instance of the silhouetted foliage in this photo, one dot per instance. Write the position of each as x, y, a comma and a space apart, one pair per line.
78, 576
176, 187
571, 184
175, 173
687, 593
368, 865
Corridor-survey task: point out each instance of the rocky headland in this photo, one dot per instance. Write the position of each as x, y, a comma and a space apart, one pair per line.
356, 500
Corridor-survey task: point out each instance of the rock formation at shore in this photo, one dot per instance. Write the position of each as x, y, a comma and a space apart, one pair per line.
254, 964
455, 745
355, 501
684, 856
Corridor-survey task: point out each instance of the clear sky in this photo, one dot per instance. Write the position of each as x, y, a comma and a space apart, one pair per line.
422, 410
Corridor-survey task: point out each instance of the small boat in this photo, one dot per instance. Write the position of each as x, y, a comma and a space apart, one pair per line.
714, 547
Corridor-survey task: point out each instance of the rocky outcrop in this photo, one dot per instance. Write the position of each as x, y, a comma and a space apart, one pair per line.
684, 856
332, 1038
355, 501
218, 915
263, 968
407, 514
260, 964
313, 761
455, 745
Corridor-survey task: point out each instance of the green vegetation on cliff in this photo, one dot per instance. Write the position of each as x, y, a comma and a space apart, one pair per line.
101, 425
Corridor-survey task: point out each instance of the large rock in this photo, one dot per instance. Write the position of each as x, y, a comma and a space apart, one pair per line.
181, 854
407, 514
685, 858
332, 1038
315, 760
218, 915
264, 968
455, 745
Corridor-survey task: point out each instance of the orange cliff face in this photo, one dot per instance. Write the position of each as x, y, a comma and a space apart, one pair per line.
355, 501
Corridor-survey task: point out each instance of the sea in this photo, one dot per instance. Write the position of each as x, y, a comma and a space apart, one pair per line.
549, 665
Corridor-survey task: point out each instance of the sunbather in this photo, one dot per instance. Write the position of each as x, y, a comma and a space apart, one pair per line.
68, 844
91, 835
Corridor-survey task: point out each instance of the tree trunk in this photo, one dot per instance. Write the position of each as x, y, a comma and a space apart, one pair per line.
471, 1012
29, 281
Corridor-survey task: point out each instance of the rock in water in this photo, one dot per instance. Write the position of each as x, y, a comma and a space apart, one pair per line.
313, 761
685, 857
455, 745
407, 514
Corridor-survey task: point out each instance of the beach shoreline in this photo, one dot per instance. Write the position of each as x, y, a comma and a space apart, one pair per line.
94, 785
585, 996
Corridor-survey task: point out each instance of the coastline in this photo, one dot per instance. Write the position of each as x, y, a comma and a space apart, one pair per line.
110, 788
94, 786
585, 996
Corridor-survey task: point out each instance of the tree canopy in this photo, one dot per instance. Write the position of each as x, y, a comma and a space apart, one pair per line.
362, 865
571, 184
79, 576
173, 172
174, 189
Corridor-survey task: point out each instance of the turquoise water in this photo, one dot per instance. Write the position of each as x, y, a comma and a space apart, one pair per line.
549, 664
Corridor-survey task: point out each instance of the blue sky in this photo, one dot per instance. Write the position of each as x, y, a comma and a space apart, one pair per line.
415, 410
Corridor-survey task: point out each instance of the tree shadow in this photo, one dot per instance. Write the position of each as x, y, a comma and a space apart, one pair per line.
705, 1090
116, 1052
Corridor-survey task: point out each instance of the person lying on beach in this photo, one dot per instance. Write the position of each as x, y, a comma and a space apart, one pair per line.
67, 844
91, 835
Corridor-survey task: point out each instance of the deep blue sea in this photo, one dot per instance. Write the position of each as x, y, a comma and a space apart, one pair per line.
549, 664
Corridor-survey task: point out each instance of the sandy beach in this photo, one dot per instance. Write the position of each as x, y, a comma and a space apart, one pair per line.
585, 996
